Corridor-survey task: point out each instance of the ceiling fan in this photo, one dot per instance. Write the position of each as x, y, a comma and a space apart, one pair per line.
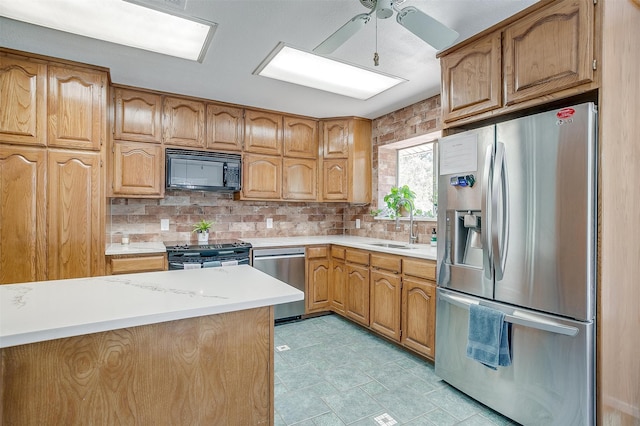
419, 23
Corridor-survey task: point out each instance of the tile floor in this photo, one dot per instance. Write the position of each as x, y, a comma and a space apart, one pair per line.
329, 371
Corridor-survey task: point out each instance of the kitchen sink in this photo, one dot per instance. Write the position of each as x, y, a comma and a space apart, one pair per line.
392, 245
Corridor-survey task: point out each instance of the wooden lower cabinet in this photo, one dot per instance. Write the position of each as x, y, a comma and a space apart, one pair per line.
129, 264
338, 280
419, 315
385, 303
208, 370
317, 279
23, 222
357, 293
75, 215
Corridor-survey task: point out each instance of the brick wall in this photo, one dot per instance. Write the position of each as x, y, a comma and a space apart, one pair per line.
140, 218
415, 120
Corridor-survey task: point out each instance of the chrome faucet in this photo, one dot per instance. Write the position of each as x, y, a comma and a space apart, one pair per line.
402, 201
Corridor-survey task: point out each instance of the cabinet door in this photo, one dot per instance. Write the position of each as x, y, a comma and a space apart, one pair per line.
23, 118
337, 288
183, 122
263, 132
335, 138
335, 180
385, 303
137, 169
419, 315
299, 179
77, 104
137, 116
549, 50
23, 222
75, 215
357, 297
317, 298
471, 78
224, 127
300, 137
261, 176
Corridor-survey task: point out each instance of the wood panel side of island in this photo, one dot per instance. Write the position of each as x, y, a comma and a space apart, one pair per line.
215, 369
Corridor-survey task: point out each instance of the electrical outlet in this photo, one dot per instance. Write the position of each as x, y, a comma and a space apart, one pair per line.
269, 223
357, 223
164, 224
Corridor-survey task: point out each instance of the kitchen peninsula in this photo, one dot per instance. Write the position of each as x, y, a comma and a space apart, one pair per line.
172, 347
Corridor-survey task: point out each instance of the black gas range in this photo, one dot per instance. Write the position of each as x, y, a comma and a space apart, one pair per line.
213, 254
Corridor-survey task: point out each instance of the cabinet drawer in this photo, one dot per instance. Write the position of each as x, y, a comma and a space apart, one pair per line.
359, 257
389, 263
337, 252
313, 252
419, 268
127, 265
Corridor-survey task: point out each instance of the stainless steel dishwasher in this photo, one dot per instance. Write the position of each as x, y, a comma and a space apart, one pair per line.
285, 264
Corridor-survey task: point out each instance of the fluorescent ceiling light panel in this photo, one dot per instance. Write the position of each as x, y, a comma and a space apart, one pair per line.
307, 69
118, 22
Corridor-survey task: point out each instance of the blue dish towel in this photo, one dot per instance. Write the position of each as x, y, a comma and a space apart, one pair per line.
212, 264
488, 340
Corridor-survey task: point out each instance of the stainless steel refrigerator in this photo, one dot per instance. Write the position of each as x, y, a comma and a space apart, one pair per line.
517, 227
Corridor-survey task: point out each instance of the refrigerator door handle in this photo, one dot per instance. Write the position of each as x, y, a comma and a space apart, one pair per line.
500, 222
520, 318
485, 206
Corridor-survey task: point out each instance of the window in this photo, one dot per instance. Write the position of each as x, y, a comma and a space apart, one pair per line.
412, 162
417, 169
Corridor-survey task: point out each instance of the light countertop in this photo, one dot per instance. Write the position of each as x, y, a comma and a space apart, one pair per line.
421, 251
135, 248
46, 310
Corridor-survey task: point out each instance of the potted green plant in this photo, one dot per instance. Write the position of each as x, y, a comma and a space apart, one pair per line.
394, 197
202, 229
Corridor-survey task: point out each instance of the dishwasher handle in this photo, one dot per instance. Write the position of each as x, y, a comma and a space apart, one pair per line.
283, 256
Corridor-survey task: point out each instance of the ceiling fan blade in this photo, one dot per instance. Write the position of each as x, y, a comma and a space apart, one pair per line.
428, 29
343, 34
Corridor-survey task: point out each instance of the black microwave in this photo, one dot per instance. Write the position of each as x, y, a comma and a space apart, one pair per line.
203, 171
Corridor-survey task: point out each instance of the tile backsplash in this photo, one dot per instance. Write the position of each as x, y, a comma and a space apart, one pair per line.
140, 219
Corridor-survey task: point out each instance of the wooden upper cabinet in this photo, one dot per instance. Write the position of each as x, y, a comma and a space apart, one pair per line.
77, 105
471, 78
137, 169
549, 50
23, 222
300, 137
261, 177
183, 122
336, 135
224, 127
23, 113
75, 246
137, 116
263, 132
299, 179
335, 180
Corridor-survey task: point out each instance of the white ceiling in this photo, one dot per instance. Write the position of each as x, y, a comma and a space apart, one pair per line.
248, 30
